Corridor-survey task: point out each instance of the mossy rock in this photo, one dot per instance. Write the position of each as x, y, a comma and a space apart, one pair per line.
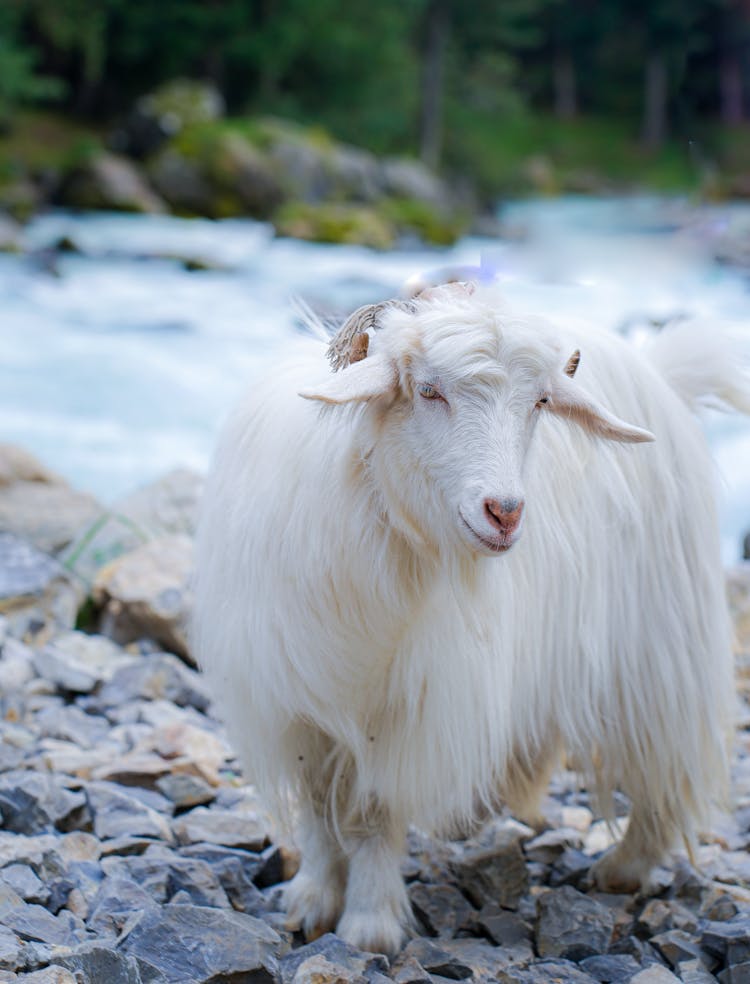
182, 103
336, 223
110, 182
432, 224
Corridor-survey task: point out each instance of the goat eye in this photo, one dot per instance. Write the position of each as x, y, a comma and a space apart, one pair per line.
541, 401
428, 392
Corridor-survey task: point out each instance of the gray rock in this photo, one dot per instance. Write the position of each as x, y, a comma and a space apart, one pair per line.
199, 880
167, 505
47, 514
503, 928
33, 803
550, 845
181, 182
22, 880
407, 970
193, 943
221, 827
147, 593
569, 868
738, 974
546, 972
655, 974
350, 964
496, 873
70, 723
33, 922
461, 959
185, 790
611, 968
693, 972
117, 813
51, 975
35, 590
572, 925
111, 182
78, 662
97, 963
442, 909
158, 677
675, 945
11, 950
119, 898
728, 941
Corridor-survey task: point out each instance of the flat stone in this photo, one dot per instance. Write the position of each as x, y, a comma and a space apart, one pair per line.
351, 964
728, 941
654, 974
199, 880
34, 803
503, 928
569, 868
140, 769
117, 813
194, 943
26, 850
35, 590
675, 945
738, 974
185, 790
167, 505
407, 970
22, 880
466, 958
16, 664
79, 846
158, 677
442, 908
51, 975
221, 827
494, 874
572, 925
33, 922
548, 846
546, 972
97, 963
78, 662
611, 968
693, 972
147, 593
70, 723
119, 899
45, 514
11, 950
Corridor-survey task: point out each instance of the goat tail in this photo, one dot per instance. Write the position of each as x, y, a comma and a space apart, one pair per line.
705, 365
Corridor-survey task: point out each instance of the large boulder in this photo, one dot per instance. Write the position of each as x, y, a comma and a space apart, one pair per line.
146, 594
108, 181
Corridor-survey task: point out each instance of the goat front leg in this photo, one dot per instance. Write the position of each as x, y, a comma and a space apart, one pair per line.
314, 898
376, 913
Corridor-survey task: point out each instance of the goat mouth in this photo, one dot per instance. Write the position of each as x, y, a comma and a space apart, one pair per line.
496, 545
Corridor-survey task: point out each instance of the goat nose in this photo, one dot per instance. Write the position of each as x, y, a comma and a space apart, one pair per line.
504, 514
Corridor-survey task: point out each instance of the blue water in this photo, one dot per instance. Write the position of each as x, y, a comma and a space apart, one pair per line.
118, 363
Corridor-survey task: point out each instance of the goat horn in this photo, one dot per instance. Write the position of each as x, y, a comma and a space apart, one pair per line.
572, 364
351, 342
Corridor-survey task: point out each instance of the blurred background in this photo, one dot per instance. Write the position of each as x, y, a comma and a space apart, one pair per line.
172, 175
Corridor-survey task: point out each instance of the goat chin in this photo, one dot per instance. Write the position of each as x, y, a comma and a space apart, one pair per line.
374, 673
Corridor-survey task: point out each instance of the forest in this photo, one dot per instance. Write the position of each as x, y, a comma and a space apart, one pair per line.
612, 87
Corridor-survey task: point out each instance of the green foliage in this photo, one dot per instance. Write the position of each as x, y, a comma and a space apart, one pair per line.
20, 82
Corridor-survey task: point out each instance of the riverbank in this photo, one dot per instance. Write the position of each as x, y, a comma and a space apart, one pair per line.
132, 848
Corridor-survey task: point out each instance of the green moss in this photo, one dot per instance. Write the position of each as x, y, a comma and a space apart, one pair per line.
432, 224
335, 223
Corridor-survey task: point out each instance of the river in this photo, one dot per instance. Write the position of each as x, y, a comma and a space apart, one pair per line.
119, 363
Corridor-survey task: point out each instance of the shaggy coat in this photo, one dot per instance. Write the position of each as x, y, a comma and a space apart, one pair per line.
382, 650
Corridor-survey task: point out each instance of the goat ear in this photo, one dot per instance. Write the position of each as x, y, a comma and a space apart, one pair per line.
567, 399
361, 381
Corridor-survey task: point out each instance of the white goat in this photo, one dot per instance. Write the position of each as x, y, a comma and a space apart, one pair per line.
378, 663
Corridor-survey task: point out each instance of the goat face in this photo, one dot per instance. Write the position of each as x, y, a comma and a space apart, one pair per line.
456, 392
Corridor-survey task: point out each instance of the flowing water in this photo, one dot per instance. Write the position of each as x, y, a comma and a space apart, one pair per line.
118, 362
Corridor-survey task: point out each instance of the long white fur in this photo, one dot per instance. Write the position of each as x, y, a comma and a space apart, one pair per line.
375, 670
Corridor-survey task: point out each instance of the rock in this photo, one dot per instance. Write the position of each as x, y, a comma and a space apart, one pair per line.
404, 178
118, 900
185, 790
198, 879
33, 803
572, 925
211, 826
10, 240
33, 922
97, 963
503, 928
611, 968
35, 590
19, 849
146, 593
694, 972
495, 874
181, 182
569, 868
139, 769
655, 974
738, 594
11, 950
108, 181
192, 748
70, 723
738, 974
461, 959
442, 909
117, 813
545, 972
550, 845
181, 103
51, 975
25, 883
158, 677
19, 465
78, 662
47, 514
16, 665
194, 943
676, 945
166, 506
728, 941
350, 964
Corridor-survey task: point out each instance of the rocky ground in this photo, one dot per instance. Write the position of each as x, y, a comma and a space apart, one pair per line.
132, 851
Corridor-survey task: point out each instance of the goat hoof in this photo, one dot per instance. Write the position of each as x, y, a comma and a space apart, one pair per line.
374, 932
310, 906
616, 873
